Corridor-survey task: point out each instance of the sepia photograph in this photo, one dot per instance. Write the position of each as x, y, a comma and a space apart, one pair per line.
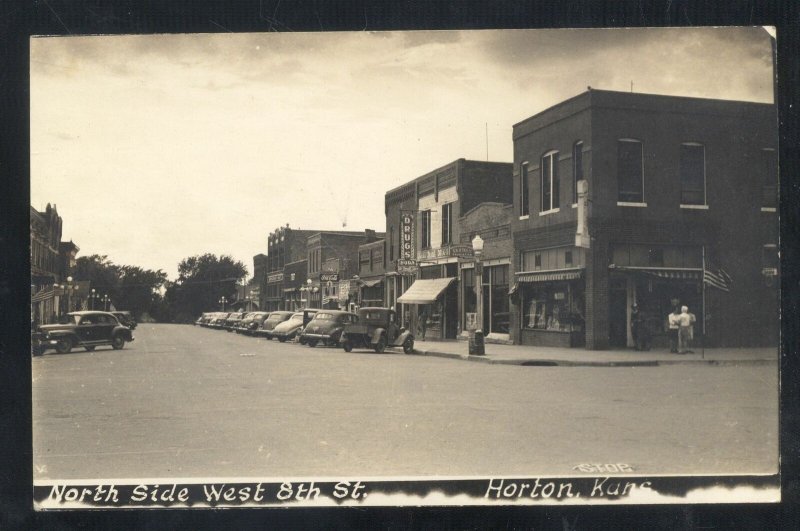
405, 268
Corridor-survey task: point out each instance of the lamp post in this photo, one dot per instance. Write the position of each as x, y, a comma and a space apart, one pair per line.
93, 296
223, 301
70, 288
477, 345
106, 299
308, 288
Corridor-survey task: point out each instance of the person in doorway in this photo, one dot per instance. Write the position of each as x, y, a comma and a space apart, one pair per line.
685, 321
673, 329
636, 325
423, 322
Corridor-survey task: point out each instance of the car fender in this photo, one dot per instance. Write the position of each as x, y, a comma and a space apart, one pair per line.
402, 338
58, 334
376, 335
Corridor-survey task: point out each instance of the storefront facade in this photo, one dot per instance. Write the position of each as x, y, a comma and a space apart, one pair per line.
668, 192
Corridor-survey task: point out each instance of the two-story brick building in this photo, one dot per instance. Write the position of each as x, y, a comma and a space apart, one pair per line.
427, 210
284, 246
677, 189
369, 284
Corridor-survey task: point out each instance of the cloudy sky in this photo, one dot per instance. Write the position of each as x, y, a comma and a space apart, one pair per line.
155, 148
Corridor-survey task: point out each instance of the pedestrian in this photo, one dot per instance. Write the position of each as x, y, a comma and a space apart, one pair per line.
673, 324
685, 322
636, 326
423, 322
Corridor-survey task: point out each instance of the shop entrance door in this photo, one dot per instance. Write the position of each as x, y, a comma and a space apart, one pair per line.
617, 316
451, 311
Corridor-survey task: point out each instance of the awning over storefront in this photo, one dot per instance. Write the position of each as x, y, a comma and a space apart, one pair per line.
43, 295
668, 273
550, 276
425, 291
371, 283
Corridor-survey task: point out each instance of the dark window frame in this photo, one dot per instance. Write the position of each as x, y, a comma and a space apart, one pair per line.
577, 168
447, 223
630, 196
690, 193
548, 171
524, 195
425, 232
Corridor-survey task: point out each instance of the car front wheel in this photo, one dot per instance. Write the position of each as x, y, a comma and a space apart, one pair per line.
380, 346
64, 346
282, 339
311, 342
89, 348
117, 342
347, 346
408, 345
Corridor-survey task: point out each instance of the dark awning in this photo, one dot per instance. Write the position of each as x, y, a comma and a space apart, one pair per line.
425, 291
550, 276
668, 273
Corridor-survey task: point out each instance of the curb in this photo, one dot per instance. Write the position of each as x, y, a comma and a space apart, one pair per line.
549, 362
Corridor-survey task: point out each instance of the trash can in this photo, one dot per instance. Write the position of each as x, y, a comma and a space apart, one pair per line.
476, 344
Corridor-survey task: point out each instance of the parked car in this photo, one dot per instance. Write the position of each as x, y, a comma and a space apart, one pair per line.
83, 329
326, 327
289, 329
376, 328
232, 321
125, 318
269, 324
204, 318
251, 322
218, 320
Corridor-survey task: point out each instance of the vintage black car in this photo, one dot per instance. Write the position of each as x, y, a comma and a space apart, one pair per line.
251, 322
326, 327
269, 324
377, 329
218, 320
233, 320
125, 318
83, 329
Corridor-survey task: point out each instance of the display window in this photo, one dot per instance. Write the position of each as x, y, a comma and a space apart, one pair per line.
554, 306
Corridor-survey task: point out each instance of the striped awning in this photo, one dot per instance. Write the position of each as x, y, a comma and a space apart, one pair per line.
43, 295
668, 273
550, 276
425, 291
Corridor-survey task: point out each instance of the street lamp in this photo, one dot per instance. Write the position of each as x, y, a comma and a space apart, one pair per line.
223, 301
308, 288
93, 296
477, 346
106, 300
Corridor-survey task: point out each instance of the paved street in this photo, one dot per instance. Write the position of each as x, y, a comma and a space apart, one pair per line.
188, 402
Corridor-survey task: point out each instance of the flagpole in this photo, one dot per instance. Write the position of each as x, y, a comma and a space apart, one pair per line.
703, 309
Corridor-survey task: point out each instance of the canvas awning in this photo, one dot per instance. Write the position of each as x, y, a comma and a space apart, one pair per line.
43, 295
425, 291
668, 273
371, 283
550, 276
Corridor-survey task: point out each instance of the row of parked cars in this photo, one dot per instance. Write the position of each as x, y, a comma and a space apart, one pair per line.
371, 328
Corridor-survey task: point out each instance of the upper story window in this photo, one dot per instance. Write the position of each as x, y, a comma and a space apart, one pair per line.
425, 229
391, 244
524, 205
693, 174
577, 168
769, 179
630, 171
447, 223
549, 171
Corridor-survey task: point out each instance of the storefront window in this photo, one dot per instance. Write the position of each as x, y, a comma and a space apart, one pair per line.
552, 306
499, 299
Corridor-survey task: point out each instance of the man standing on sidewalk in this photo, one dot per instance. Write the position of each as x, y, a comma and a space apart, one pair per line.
685, 322
673, 323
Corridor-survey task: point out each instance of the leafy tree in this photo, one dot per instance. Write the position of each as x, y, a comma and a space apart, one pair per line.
202, 281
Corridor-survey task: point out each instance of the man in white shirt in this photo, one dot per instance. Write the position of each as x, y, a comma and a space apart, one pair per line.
685, 322
673, 321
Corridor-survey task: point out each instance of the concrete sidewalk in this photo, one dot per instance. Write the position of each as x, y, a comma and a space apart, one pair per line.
579, 357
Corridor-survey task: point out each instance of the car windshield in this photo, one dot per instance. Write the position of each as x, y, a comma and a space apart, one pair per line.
324, 317
276, 318
297, 317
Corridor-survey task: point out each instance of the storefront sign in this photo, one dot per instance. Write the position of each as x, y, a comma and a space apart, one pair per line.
275, 277
472, 320
329, 277
582, 233
460, 251
406, 263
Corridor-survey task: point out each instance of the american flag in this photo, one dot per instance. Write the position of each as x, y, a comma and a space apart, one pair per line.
718, 278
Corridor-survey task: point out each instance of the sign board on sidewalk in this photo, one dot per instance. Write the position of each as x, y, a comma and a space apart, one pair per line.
472, 321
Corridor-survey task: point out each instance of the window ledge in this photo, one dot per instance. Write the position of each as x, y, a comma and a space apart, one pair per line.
631, 204
526, 216
551, 211
769, 209
694, 207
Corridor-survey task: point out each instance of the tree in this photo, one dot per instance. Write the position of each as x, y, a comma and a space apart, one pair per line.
130, 288
202, 281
